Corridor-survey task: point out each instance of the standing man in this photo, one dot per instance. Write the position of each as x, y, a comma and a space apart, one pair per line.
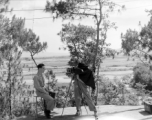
83, 78
39, 85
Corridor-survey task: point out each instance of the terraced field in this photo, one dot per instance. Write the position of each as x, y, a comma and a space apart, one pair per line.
110, 68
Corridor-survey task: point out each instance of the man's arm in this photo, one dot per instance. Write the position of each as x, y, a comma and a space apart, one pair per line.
37, 86
78, 71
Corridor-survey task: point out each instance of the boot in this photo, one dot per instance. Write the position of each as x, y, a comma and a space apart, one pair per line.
78, 113
95, 115
47, 113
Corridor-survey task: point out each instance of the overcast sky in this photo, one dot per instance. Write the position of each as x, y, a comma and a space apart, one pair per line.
47, 30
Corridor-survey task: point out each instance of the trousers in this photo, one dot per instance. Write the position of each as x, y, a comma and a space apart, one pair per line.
52, 94
79, 89
49, 101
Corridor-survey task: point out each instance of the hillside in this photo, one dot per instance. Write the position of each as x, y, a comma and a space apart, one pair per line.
110, 68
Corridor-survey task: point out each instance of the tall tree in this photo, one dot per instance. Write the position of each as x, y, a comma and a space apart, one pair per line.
3, 5
99, 10
80, 41
12, 84
14, 39
139, 44
30, 42
129, 42
10, 54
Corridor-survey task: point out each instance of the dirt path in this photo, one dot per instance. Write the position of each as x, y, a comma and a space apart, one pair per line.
105, 112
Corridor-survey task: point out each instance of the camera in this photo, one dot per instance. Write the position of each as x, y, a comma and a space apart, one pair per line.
71, 70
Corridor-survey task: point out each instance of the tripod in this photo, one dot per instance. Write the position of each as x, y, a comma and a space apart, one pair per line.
68, 94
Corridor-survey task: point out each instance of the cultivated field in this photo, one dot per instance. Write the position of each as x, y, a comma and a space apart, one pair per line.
111, 68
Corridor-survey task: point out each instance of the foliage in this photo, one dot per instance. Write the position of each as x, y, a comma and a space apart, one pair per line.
52, 81
80, 41
62, 7
141, 81
142, 74
139, 44
111, 53
15, 99
98, 10
148, 100
25, 39
3, 5
30, 42
15, 96
115, 92
80, 9
129, 40
63, 93
127, 79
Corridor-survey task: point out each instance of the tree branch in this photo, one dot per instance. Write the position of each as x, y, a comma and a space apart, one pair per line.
88, 8
85, 14
75, 48
142, 51
100, 12
140, 58
32, 56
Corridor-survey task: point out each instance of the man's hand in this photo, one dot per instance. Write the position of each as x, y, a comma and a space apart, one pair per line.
46, 88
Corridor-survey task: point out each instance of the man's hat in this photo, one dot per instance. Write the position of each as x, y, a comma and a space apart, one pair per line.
82, 66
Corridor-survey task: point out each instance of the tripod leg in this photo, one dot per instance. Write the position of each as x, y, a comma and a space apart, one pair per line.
66, 97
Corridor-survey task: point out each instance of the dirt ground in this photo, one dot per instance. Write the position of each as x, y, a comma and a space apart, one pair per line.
105, 112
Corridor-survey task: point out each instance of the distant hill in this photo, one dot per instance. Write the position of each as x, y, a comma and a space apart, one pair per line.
44, 54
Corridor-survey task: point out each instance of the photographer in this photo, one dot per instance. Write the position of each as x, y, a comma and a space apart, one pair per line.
83, 77
39, 85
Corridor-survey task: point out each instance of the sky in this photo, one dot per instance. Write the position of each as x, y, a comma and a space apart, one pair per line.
47, 29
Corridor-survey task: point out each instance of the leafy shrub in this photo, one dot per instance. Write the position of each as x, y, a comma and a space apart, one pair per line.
115, 92
15, 93
142, 74
127, 79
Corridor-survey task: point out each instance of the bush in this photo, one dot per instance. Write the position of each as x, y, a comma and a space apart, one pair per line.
14, 93
142, 74
61, 96
127, 79
115, 92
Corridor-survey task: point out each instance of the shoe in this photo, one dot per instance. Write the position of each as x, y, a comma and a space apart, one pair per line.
47, 114
51, 116
95, 115
78, 113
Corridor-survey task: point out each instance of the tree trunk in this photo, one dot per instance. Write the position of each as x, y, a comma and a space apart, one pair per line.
96, 101
33, 60
9, 80
97, 42
94, 62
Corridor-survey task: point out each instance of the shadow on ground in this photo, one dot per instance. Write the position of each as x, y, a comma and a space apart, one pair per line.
145, 113
150, 118
25, 118
111, 113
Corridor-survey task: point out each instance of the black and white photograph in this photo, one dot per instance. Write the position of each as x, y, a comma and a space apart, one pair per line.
75, 59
